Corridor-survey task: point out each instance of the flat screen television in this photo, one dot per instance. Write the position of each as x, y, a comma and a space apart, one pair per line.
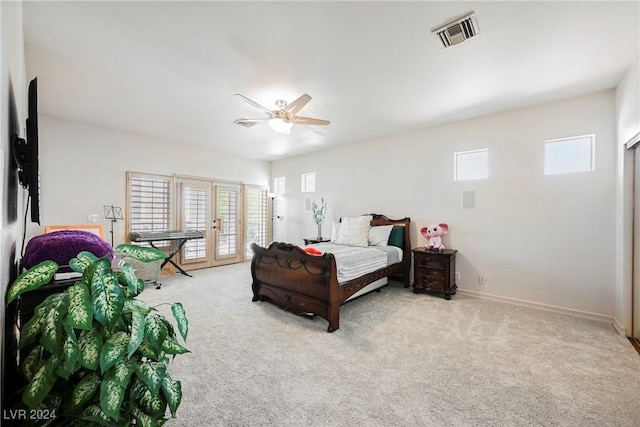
25, 153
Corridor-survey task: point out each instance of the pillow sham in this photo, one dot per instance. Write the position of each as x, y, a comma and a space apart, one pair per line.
379, 235
335, 231
354, 231
396, 238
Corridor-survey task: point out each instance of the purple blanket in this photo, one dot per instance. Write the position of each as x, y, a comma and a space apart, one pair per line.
61, 246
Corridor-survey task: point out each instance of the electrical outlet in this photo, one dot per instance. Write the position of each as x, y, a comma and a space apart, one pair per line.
481, 280
457, 275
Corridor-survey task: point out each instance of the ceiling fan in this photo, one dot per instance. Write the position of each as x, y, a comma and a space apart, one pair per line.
282, 119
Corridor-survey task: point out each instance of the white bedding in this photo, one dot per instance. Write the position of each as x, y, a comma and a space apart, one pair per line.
353, 261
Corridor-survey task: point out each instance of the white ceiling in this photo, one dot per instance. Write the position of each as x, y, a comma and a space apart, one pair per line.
170, 69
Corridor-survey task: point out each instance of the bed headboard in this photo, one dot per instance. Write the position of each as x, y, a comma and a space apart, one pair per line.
96, 229
401, 228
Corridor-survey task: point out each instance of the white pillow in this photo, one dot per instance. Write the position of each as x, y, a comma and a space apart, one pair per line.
379, 235
354, 231
335, 231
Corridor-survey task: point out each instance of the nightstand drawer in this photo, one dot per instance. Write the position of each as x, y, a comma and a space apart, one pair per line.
433, 271
430, 263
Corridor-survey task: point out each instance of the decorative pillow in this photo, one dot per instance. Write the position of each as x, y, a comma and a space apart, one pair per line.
379, 235
354, 231
313, 251
61, 246
335, 231
396, 238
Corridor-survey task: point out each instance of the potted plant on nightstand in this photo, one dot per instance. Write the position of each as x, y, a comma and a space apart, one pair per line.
98, 354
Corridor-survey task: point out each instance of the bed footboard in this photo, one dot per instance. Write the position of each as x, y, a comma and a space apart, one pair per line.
296, 281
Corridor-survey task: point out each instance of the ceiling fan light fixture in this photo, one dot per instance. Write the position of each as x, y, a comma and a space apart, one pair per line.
280, 125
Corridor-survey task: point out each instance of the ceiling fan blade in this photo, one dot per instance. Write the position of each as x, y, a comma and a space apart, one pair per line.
255, 104
309, 121
245, 122
295, 106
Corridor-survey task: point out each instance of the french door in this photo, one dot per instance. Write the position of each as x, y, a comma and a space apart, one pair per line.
215, 209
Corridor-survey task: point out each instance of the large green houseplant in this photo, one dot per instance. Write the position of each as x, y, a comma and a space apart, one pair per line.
99, 354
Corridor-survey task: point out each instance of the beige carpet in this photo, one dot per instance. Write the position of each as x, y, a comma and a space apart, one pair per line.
398, 359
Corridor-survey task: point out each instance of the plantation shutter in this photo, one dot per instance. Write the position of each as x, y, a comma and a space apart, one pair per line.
256, 218
149, 203
195, 208
228, 199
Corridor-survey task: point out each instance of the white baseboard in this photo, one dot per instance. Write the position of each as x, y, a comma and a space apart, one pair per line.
619, 327
539, 306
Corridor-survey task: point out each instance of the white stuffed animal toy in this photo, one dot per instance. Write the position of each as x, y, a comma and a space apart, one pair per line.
434, 233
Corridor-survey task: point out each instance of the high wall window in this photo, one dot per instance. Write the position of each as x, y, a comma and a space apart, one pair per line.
569, 155
149, 203
308, 182
470, 165
279, 185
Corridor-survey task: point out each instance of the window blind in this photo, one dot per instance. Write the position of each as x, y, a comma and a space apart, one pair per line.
149, 206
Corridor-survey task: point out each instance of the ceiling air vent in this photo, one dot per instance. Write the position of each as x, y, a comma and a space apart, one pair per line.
457, 30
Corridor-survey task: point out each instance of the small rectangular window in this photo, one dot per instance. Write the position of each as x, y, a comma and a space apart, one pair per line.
569, 155
278, 185
308, 182
472, 164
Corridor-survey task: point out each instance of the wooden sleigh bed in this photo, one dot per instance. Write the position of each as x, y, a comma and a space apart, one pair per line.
288, 276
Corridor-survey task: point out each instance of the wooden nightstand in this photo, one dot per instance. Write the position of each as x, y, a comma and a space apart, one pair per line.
434, 271
312, 240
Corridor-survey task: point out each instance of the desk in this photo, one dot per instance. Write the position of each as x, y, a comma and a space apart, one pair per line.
158, 236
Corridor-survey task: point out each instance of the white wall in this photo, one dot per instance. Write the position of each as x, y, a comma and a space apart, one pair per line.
628, 124
548, 240
82, 168
13, 93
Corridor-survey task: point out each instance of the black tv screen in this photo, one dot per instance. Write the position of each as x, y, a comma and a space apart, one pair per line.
25, 152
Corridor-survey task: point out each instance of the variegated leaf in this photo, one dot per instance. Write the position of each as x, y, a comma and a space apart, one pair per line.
85, 390
152, 374
141, 253
172, 390
41, 383
171, 346
155, 331
32, 328
122, 371
107, 298
32, 362
111, 397
142, 419
31, 279
52, 327
94, 414
90, 345
148, 351
130, 277
138, 320
70, 353
152, 403
79, 315
82, 261
181, 319
113, 350
141, 286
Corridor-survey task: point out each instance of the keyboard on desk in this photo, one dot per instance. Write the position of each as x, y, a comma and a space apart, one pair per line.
152, 236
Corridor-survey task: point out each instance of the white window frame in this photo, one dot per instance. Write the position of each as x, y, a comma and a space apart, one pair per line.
150, 207
279, 184
578, 168
308, 182
456, 164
